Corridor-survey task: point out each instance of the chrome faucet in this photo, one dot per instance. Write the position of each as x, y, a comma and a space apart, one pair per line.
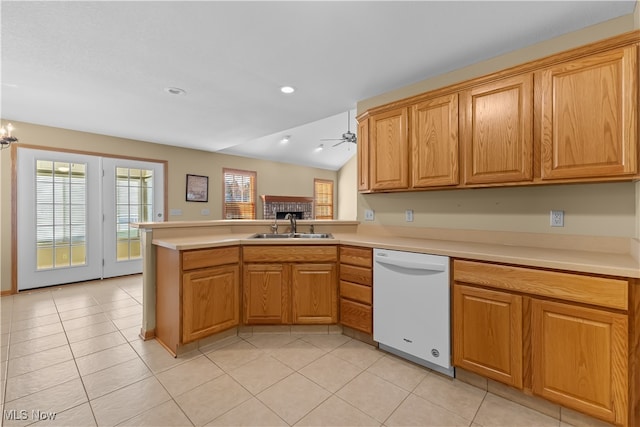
274, 226
292, 218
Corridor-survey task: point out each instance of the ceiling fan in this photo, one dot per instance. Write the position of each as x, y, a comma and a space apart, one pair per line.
347, 136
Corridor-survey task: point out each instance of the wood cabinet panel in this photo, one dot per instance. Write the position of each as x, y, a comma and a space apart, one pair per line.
202, 258
355, 274
210, 301
389, 150
580, 358
356, 292
266, 294
487, 333
434, 142
356, 256
589, 114
497, 131
363, 155
314, 293
285, 253
194, 303
601, 291
356, 315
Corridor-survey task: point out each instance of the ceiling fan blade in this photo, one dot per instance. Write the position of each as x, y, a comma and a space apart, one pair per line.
335, 145
332, 139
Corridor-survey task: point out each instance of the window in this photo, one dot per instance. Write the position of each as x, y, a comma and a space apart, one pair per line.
323, 198
239, 194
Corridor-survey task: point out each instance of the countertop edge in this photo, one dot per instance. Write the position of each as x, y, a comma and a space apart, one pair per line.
620, 265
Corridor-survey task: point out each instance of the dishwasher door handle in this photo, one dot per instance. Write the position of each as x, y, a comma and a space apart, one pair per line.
411, 265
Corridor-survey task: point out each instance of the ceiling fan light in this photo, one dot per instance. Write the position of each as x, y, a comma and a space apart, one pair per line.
287, 89
285, 139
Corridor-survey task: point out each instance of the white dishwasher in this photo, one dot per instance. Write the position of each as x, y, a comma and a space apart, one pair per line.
411, 307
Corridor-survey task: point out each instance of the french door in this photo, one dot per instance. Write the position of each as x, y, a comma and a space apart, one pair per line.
132, 192
74, 213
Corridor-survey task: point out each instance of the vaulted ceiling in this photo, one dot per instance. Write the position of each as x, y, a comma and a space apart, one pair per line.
106, 66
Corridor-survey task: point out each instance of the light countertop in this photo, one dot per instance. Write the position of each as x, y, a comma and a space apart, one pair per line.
605, 263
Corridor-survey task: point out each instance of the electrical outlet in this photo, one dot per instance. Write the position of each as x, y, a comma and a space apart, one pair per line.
556, 218
369, 215
175, 212
205, 212
408, 215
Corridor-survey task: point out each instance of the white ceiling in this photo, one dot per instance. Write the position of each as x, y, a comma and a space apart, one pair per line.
103, 66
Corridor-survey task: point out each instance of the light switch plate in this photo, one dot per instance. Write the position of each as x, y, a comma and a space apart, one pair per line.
408, 215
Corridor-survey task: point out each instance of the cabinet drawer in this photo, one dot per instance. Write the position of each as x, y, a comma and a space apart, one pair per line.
605, 292
356, 292
302, 253
357, 316
201, 258
356, 274
356, 256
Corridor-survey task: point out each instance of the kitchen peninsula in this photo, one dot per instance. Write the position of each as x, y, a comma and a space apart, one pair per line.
535, 278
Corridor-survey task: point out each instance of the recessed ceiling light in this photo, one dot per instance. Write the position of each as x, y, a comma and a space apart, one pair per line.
287, 89
175, 90
285, 139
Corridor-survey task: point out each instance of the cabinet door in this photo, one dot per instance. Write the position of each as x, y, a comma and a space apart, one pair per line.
497, 131
314, 293
363, 155
590, 117
210, 301
266, 294
434, 142
389, 150
580, 358
487, 333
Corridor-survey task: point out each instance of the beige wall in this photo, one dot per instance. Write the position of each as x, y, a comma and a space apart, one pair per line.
273, 178
347, 190
611, 209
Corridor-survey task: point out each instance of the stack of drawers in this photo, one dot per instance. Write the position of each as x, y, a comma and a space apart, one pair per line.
356, 291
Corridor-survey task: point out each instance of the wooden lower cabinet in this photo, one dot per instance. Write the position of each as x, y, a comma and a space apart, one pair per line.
487, 333
580, 358
356, 288
266, 294
210, 301
290, 285
197, 294
314, 294
572, 339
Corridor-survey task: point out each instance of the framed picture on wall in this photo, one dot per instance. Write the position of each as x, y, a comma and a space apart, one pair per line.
197, 188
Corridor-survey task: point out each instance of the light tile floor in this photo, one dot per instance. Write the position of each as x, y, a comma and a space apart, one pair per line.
74, 351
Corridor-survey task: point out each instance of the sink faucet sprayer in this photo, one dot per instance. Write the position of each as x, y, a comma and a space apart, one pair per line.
274, 226
292, 218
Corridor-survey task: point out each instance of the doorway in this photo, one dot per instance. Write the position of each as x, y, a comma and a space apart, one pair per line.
74, 213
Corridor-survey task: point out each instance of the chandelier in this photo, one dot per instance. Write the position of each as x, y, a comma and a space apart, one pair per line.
5, 136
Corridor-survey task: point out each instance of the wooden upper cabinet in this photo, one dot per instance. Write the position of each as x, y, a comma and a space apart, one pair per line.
589, 117
434, 142
363, 155
389, 150
497, 131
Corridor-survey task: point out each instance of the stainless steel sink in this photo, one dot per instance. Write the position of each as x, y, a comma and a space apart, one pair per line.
292, 235
271, 236
313, 235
